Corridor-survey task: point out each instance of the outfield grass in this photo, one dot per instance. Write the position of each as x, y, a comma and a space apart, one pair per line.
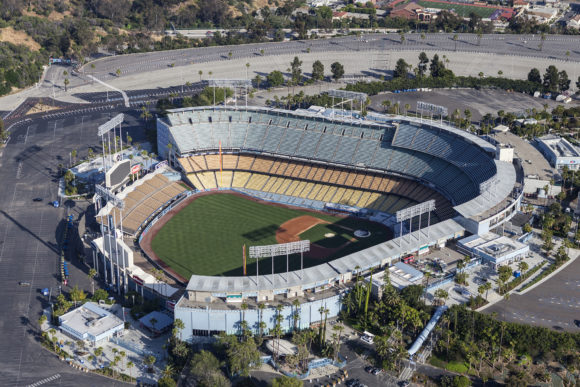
206, 237
460, 9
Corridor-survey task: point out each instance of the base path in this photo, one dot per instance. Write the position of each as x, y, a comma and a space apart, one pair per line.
289, 231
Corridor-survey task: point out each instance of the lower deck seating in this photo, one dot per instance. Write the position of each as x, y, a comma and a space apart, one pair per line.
314, 182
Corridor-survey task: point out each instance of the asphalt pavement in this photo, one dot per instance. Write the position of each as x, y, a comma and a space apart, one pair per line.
30, 234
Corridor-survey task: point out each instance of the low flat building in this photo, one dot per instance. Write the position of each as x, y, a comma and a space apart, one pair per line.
157, 322
89, 322
559, 152
495, 249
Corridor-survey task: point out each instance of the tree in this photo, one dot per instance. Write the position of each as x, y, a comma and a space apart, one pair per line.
534, 76
77, 295
401, 69
563, 81
275, 78
402, 37
578, 83
423, 62
118, 72
523, 266
262, 52
296, 70
200, 72
551, 79
203, 365
455, 38
166, 381
230, 54
504, 274
92, 274
441, 294
542, 40
149, 361
317, 71
179, 325
286, 381
337, 70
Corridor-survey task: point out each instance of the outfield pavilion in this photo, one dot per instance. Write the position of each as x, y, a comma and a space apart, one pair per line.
307, 160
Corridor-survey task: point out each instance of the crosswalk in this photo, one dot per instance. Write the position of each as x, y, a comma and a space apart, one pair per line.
45, 380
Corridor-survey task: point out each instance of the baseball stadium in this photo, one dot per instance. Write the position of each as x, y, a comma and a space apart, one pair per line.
283, 205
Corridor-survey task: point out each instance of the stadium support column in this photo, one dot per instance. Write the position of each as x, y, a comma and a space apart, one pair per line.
301, 265
257, 273
272, 268
287, 266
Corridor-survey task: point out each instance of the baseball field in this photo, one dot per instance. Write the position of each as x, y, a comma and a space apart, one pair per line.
206, 236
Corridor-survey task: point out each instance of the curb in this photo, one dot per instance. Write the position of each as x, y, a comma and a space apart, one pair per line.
550, 275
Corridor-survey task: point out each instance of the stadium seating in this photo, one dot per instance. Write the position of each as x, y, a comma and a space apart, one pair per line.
443, 158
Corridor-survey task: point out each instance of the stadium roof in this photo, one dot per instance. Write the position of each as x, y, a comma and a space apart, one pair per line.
328, 272
501, 188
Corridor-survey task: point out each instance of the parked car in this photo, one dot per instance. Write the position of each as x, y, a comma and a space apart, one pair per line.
24, 283
352, 383
377, 371
369, 369
37, 199
577, 322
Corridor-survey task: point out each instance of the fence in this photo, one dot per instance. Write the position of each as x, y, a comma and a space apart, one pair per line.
163, 212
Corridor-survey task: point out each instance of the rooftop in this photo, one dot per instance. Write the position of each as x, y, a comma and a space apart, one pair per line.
492, 244
90, 319
533, 162
560, 146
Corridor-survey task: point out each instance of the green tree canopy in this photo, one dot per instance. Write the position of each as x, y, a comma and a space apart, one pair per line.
275, 78
337, 70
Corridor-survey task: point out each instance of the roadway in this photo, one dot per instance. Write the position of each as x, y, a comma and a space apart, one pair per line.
554, 304
30, 233
554, 47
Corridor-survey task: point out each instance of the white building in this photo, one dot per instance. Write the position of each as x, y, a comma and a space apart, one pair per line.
91, 323
559, 152
496, 249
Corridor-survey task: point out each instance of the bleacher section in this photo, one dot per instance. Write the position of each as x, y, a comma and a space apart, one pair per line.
437, 156
314, 182
146, 198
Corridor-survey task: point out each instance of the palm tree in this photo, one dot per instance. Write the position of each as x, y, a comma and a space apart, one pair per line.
92, 274
200, 72
178, 323
480, 74
118, 72
243, 308
338, 328
261, 308
66, 83
407, 107
487, 287
145, 114
98, 352
262, 52
168, 371
523, 266
247, 67
321, 311
455, 38
296, 315
130, 366
402, 37
500, 73
386, 104
230, 54
93, 70
479, 36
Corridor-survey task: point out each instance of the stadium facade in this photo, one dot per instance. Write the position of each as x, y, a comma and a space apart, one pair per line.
310, 160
